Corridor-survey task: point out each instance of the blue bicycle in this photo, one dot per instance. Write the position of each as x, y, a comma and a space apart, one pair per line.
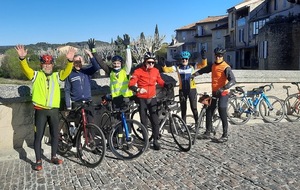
243, 105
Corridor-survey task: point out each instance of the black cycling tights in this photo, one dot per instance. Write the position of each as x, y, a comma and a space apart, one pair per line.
222, 108
192, 95
151, 106
41, 118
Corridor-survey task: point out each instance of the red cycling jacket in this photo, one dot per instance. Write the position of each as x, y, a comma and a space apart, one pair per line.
147, 79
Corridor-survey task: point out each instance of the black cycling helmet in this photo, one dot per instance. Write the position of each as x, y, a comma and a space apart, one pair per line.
219, 51
117, 58
149, 55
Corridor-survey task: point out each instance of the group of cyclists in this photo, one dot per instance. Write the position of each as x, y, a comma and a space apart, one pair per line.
125, 84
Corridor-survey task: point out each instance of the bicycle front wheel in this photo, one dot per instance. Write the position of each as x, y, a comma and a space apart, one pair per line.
131, 147
91, 145
292, 107
238, 111
180, 133
273, 112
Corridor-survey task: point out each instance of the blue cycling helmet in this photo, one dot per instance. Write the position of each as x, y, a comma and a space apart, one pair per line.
185, 55
117, 58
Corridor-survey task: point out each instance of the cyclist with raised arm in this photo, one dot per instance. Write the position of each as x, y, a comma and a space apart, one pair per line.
187, 85
143, 81
78, 84
45, 99
118, 73
222, 78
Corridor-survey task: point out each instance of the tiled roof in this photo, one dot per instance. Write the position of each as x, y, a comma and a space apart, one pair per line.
206, 20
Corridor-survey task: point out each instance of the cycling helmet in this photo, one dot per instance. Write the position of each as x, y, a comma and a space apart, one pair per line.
219, 51
149, 55
46, 59
185, 55
117, 58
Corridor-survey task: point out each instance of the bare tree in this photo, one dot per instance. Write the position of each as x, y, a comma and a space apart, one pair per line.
144, 44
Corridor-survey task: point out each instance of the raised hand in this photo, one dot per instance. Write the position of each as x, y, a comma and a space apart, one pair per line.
70, 54
22, 52
126, 40
91, 43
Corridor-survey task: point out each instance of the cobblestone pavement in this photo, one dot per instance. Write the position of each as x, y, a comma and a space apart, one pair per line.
257, 156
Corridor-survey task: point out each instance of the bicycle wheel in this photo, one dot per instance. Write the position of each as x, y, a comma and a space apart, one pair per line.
180, 133
64, 139
272, 114
292, 107
132, 148
106, 123
136, 116
238, 111
91, 146
200, 127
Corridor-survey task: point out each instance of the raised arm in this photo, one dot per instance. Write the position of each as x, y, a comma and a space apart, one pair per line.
22, 52
63, 74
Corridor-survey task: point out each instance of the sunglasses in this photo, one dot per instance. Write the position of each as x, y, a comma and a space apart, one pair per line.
77, 62
150, 62
219, 55
184, 59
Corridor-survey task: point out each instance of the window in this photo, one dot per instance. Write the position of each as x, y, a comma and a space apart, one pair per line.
263, 49
258, 25
275, 5
200, 30
183, 35
218, 34
241, 35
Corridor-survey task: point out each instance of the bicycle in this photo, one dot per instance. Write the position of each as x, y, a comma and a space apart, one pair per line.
292, 104
123, 143
88, 138
200, 127
168, 108
242, 106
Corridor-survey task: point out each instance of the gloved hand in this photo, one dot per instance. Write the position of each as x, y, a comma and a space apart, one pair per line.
203, 53
91, 43
168, 86
193, 76
126, 40
220, 91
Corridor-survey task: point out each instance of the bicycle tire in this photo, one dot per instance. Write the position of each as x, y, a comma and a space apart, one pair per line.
64, 139
274, 115
135, 116
132, 149
91, 153
106, 123
180, 133
238, 111
292, 108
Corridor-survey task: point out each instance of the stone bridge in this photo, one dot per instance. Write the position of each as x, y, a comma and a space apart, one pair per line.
16, 111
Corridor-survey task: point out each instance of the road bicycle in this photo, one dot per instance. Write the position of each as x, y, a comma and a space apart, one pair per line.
118, 130
167, 109
88, 138
255, 102
200, 127
292, 104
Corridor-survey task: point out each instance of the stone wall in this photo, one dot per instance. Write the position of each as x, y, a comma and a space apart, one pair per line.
16, 110
283, 46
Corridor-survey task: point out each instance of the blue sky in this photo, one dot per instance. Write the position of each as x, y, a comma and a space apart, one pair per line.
54, 21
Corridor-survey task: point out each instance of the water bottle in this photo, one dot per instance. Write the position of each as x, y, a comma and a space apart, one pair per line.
72, 129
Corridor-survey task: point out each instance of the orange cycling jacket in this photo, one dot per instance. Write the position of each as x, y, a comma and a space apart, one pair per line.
147, 79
